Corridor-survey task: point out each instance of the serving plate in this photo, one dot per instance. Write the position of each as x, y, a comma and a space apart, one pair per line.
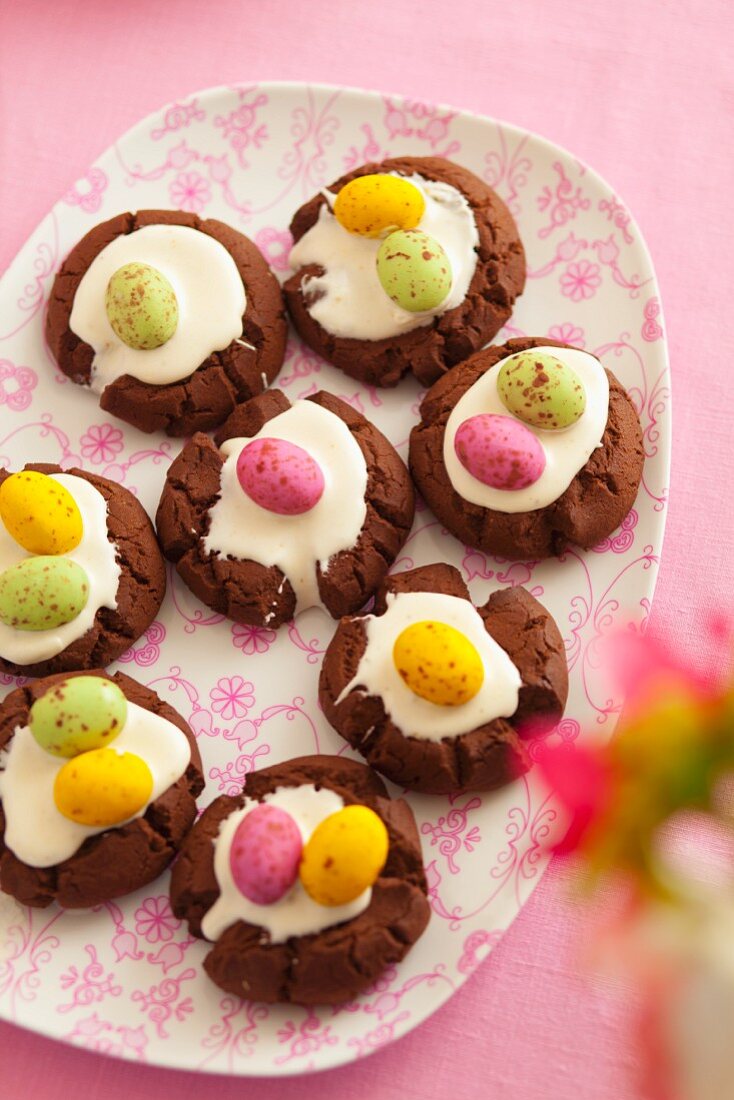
127, 979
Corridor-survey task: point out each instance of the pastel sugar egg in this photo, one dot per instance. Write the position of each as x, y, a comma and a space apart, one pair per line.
40, 514
371, 205
141, 305
414, 270
42, 593
438, 663
280, 476
78, 715
344, 855
541, 390
499, 451
102, 787
265, 854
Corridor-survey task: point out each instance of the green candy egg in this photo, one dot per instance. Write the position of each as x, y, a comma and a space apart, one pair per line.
141, 306
541, 390
414, 270
78, 715
42, 593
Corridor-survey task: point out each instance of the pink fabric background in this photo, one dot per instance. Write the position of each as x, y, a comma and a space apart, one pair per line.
644, 92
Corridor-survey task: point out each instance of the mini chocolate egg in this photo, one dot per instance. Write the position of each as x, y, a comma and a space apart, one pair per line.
40, 513
438, 663
42, 593
372, 205
141, 305
78, 715
499, 451
344, 855
541, 390
265, 854
102, 787
280, 476
414, 270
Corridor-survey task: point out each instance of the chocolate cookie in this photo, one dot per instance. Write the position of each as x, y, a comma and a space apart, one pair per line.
126, 543
207, 394
266, 564
583, 507
430, 350
427, 681
341, 960
120, 859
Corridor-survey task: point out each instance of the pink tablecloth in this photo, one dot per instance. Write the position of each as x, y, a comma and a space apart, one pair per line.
641, 90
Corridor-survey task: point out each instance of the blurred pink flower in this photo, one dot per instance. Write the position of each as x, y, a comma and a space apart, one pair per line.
580, 280
232, 697
190, 191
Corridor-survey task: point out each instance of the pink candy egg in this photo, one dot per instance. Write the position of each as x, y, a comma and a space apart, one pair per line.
280, 476
499, 451
265, 854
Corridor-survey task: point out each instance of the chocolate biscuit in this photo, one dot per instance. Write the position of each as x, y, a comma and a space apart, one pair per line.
484, 758
340, 962
121, 859
207, 397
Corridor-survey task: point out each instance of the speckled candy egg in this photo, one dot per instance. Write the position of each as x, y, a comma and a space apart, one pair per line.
499, 451
141, 306
280, 476
371, 205
78, 715
414, 270
265, 854
103, 788
344, 855
42, 593
438, 663
541, 390
40, 514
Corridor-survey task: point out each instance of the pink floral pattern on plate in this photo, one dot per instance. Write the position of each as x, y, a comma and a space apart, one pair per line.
127, 979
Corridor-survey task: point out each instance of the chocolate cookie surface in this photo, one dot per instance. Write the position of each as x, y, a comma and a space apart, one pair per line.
205, 398
248, 591
428, 351
119, 860
338, 963
140, 590
481, 759
594, 504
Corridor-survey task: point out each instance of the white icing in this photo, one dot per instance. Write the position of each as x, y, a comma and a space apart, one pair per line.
35, 830
296, 913
211, 302
416, 717
566, 452
348, 299
298, 545
96, 555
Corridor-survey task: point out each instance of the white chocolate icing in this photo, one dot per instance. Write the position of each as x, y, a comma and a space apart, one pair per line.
301, 544
416, 717
35, 830
348, 299
566, 452
97, 556
296, 913
211, 302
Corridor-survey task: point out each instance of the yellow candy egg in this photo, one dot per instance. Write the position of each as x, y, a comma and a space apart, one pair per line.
344, 855
438, 663
102, 787
371, 206
40, 514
